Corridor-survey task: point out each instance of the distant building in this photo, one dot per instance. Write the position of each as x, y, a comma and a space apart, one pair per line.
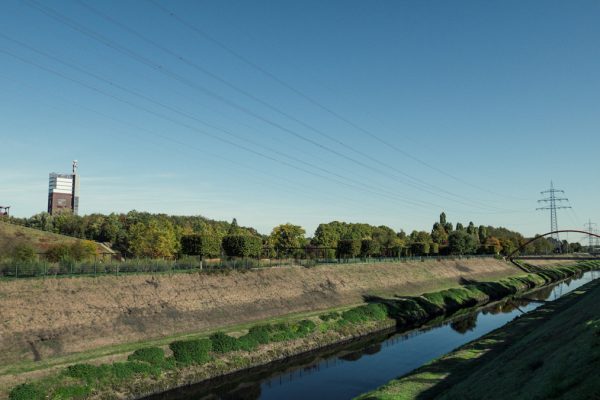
63, 192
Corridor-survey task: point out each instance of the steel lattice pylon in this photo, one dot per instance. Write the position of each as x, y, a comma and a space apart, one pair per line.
554, 203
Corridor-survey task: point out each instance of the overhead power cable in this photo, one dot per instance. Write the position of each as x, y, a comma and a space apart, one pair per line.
416, 182
316, 103
115, 46
354, 183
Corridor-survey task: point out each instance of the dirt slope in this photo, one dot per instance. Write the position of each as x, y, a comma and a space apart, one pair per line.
57, 316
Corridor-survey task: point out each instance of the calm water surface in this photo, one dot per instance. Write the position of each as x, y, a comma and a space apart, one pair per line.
347, 371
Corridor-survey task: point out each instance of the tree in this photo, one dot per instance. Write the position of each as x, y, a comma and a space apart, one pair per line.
369, 248
287, 237
24, 252
154, 240
460, 242
348, 248
234, 228
242, 246
482, 234
200, 245
459, 226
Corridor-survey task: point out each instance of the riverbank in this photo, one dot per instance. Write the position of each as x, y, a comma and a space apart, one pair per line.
43, 319
325, 333
552, 352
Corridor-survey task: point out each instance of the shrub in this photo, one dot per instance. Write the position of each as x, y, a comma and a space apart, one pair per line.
191, 351
125, 370
260, 333
83, 250
58, 252
329, 316
72, 392
222, 343
201, 245
369, 312
151, 355
248, 342
89, 373
242, 246
26, 391
348, 248
24, 253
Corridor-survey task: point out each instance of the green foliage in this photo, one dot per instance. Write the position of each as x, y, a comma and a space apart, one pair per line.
27, 391
369, 312
461, 242
83, 250
329, 316
72, 392
369, 248
247, 342
24, 253
201, 245
151, 355
284, 238
222, 343
58, 252
242, 246
191, 351
155, 239
260, 333
348, 248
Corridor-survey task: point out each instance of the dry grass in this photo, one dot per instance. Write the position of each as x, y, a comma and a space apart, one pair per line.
44, 318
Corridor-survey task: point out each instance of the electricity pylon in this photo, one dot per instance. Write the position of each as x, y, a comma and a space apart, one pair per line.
554, 203
590, 228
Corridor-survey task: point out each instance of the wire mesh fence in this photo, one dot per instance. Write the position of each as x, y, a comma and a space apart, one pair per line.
104, 266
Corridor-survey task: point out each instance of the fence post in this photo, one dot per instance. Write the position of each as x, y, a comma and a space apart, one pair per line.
16, 270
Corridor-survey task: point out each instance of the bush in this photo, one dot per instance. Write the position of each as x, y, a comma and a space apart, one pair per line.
222, 343
58, 252
125, 370
26, 391
87, 372
348, 248
369, 312
24, 253
242, 246
260, 333
248, 342
72, 392
151, 355
201, 245
329, 316
191, 351
83, 250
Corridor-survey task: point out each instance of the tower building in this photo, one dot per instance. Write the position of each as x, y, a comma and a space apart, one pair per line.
63, 192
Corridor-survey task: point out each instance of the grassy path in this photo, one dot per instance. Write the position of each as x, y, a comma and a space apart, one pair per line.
552, 352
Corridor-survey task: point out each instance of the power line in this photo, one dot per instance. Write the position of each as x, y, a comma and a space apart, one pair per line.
311, 100
354, 183
418, 184
115, 46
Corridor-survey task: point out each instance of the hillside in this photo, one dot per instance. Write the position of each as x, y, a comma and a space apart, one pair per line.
12, 235
58, 316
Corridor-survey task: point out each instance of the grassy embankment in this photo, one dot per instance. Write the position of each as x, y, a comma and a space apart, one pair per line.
12, 235
552, 352
149, 371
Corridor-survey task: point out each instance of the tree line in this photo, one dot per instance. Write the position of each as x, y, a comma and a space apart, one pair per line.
146, 235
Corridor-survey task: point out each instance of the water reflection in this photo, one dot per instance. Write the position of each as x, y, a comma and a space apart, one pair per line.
345, 371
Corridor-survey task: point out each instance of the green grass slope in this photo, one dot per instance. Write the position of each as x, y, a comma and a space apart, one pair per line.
551, 353
12, 235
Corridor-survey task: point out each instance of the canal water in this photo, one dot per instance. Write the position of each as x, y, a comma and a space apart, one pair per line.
347, 371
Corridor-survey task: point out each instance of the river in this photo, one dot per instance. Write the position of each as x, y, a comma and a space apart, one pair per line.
346, 371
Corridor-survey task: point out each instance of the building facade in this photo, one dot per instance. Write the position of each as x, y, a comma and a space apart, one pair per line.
63, 192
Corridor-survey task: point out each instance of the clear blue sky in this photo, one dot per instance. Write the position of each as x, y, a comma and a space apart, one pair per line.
477, 105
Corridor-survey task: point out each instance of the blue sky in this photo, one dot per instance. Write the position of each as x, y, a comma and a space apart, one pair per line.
283, 111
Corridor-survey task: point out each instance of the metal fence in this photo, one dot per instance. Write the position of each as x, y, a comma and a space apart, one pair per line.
99, 267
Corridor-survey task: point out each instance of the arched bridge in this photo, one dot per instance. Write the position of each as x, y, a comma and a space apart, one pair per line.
511, 255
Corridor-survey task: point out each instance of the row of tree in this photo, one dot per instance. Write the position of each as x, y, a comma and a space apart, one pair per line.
140, 234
